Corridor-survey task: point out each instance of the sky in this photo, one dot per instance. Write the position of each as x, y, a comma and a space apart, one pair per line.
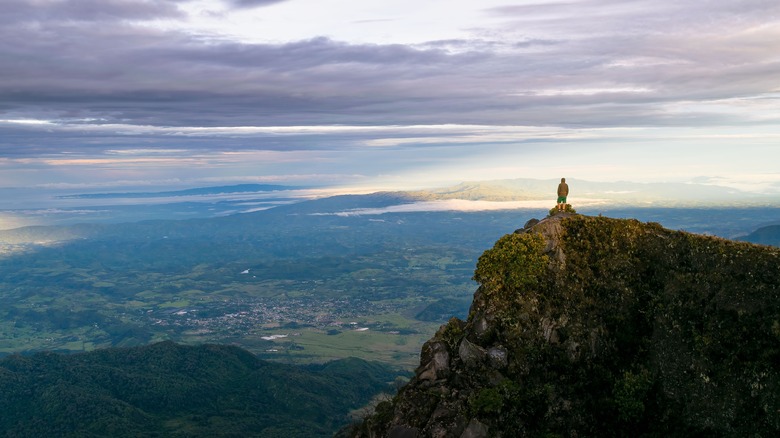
99, 95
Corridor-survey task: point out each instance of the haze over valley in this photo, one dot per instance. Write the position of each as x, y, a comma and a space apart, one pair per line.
22, 207
301, 280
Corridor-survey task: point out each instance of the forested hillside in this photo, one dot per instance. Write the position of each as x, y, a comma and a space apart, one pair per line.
167, 389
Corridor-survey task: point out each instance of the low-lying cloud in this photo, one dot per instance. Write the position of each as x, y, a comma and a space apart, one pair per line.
455, 205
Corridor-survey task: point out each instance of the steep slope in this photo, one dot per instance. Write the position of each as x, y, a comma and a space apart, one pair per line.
589, 326
167, 389
768, 235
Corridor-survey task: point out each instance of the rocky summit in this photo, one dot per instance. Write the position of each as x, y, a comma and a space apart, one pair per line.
598, 327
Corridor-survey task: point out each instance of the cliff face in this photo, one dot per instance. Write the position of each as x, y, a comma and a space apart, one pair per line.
589, 326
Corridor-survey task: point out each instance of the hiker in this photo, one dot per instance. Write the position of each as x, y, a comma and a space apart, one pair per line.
563, 192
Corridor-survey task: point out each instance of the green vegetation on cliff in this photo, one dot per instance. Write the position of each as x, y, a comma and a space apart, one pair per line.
167, 389
590, 326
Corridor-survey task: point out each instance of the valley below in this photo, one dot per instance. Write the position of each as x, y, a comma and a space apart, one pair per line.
308, 284
300, 283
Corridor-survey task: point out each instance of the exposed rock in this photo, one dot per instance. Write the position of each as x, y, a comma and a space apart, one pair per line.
475, 429
585, 326
472, 355
403, 432
435, 361
481, 328
530, 223
498, 357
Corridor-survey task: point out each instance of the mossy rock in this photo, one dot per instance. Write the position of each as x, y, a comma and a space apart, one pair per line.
566, 209
615, 327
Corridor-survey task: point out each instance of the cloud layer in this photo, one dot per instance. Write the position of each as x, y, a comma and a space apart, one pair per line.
88, 79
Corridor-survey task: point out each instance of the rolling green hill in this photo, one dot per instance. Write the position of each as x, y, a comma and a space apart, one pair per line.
167, 389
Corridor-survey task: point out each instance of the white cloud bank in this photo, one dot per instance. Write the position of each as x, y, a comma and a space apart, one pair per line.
458, 205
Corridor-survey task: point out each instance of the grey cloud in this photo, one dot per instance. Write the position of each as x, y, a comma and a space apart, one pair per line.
228, 84
645, 17
253, 3
26, 11
120, 73
302, 55
527, 9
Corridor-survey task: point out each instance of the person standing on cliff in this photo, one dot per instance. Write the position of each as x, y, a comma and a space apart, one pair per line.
563, 192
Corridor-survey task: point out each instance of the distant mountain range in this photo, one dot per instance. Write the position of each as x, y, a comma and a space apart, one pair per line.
519, 189
199, 191
510, 194
769, 235
613, 193
736, 220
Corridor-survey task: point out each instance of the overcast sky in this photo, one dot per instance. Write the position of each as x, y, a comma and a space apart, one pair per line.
100, 94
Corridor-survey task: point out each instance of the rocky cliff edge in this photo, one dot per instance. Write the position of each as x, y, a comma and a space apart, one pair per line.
591, 326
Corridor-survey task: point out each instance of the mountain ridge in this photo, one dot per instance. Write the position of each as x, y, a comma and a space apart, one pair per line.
167, 389
197, 191
591, 326
211, 202
618, 193
45, 234
768, 235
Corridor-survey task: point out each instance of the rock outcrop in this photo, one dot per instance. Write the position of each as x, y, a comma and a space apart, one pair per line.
590, 326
